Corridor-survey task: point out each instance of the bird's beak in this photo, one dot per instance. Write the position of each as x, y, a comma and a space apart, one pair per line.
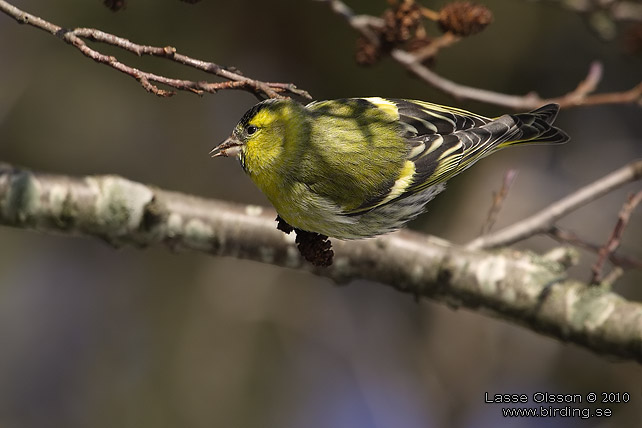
228, 148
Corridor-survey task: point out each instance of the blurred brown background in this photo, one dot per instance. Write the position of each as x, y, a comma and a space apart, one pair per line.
91, 336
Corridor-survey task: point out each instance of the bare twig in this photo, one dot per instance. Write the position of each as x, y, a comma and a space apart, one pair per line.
437, 44
569, 237
580, 96
544, 220
498, 200
633, 95
611, 277
433, 15
74, 37
616, 236
524, 288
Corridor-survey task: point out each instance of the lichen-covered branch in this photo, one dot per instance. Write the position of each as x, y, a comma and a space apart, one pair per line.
233, 78
525, 288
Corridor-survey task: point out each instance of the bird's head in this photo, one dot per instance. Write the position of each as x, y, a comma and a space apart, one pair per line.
259, 137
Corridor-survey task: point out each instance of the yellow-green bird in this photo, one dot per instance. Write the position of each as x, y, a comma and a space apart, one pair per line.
359, 167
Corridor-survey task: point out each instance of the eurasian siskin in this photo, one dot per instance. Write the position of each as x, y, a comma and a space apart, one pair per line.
360, 167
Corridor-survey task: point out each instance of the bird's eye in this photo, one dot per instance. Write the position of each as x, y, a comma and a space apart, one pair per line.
251, 129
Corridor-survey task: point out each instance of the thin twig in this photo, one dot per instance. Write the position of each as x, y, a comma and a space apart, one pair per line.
74, 37
544, 220
444, 41
610, 278
580, 96
569, 237
498, 200
616, 236
433, 15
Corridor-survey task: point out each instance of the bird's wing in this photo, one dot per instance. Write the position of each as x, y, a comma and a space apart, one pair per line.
435, 149
443, 141
470, 137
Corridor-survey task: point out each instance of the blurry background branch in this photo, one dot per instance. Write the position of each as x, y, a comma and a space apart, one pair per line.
498, 200
544, 221
604, 16
401, 34
614, 241
525, 288
569, 237
234, 78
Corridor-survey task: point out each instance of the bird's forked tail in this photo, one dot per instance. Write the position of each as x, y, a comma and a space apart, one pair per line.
534, 127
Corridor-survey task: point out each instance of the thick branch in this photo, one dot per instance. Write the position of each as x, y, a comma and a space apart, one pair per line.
525, 288
544, 221
235, 80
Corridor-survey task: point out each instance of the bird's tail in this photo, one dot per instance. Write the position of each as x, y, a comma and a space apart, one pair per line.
533, 127
510, 130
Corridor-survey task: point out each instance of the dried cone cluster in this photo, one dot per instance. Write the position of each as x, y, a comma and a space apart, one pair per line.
368, 53
115, 5
403, 27
402, 22
314, 247
464, 18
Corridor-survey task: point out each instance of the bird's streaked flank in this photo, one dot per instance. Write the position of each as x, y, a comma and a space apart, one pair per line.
360, 167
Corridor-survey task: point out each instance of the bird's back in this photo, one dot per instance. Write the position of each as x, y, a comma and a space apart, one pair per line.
354, 151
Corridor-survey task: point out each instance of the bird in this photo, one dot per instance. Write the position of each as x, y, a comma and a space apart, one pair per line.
356, 168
